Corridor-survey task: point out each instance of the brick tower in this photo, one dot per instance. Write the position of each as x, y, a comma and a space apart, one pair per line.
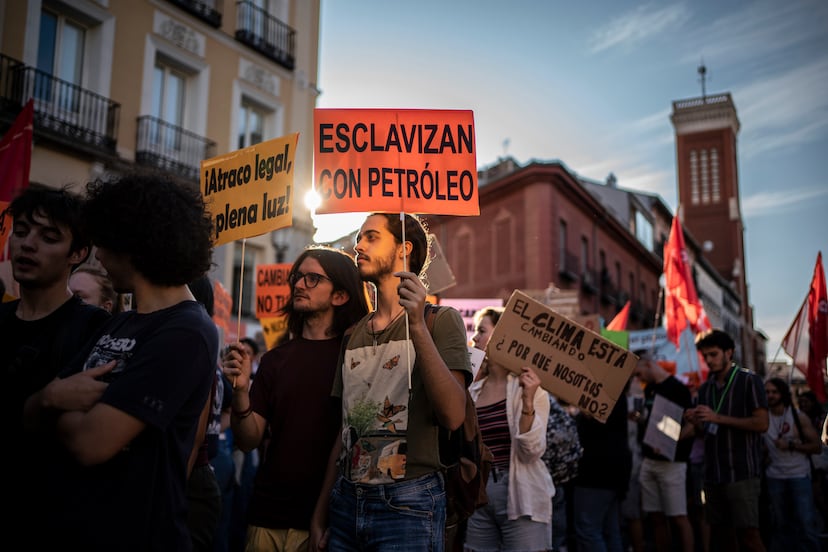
708, 184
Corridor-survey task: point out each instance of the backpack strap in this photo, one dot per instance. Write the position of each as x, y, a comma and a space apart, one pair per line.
430, 312
798, 422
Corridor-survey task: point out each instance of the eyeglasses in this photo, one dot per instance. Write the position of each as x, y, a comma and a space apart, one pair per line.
312, 279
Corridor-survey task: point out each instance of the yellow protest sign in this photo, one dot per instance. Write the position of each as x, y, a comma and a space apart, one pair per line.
572, 362
272, 289
249, 191
273, 329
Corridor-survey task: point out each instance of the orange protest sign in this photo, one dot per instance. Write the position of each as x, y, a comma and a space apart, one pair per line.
249, 191
272, 289
395, 160
222, 305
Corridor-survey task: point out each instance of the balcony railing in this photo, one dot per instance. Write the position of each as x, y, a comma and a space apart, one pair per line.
62, 110
171, 148
265, 34
589, 281
569, 266
206, 11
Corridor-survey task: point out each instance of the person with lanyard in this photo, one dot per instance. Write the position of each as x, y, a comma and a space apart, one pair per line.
732, 415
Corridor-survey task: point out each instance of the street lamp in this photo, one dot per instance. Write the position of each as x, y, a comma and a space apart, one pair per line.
280, 239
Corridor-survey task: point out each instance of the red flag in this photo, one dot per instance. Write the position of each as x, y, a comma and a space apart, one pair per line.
807, 338
15, 161
796, 341
682, 306
619, 323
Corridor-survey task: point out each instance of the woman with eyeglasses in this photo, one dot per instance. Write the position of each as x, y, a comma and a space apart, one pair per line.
290, 399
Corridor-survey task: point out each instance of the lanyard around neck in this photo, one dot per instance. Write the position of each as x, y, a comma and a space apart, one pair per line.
724, 393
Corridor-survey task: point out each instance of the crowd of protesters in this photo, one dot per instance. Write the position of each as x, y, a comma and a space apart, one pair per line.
133, 429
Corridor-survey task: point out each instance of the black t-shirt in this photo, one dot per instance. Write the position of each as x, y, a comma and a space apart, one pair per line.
675, 391
165, 369
292, 391
34, 351
31, 355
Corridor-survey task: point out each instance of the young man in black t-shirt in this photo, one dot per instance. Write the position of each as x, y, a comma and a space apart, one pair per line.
42, 330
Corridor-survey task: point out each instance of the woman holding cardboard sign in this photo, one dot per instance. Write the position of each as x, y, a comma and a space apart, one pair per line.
512, 411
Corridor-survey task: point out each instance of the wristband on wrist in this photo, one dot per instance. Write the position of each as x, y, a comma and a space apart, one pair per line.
242, 414
527, 413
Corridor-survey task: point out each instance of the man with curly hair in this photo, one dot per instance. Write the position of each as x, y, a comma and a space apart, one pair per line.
126, 412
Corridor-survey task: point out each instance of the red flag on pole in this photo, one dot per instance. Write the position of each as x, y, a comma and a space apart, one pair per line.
682, 306
619, 323
807, 338
15, 162
796, 341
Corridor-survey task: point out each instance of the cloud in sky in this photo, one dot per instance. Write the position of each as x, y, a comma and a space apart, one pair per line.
790, 108
761, 29
774, 203
637, 26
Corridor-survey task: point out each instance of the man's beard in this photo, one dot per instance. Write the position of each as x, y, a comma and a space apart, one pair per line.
382, 266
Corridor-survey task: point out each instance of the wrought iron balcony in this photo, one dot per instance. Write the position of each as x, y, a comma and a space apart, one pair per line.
569, 268
609, 295
206, 11
171, 148
589, 281
63, 111
265, 34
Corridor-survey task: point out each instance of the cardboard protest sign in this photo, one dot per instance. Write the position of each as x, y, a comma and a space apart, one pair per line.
395, 160
272, 289
249, 191
438, 273
572, 362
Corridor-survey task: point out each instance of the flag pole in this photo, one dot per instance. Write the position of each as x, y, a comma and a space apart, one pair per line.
655, 318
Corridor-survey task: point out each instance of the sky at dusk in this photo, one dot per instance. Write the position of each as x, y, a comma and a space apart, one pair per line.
592, 84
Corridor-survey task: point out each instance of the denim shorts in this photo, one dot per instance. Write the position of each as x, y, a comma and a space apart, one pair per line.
409, 516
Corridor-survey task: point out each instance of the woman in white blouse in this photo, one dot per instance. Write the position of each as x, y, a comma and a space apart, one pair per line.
512, 411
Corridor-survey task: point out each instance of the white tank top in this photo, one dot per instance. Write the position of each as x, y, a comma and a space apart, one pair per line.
784, 464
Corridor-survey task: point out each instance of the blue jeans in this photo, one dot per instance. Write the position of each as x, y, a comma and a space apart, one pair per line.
490, 528
223, 466
409, 516
559, 524
597, 527
793, 515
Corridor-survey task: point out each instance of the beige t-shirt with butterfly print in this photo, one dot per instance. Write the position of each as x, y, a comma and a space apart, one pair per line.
390, 433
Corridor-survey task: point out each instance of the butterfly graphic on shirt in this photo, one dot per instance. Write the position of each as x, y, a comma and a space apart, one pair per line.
393, 363
387, 415
355, 363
